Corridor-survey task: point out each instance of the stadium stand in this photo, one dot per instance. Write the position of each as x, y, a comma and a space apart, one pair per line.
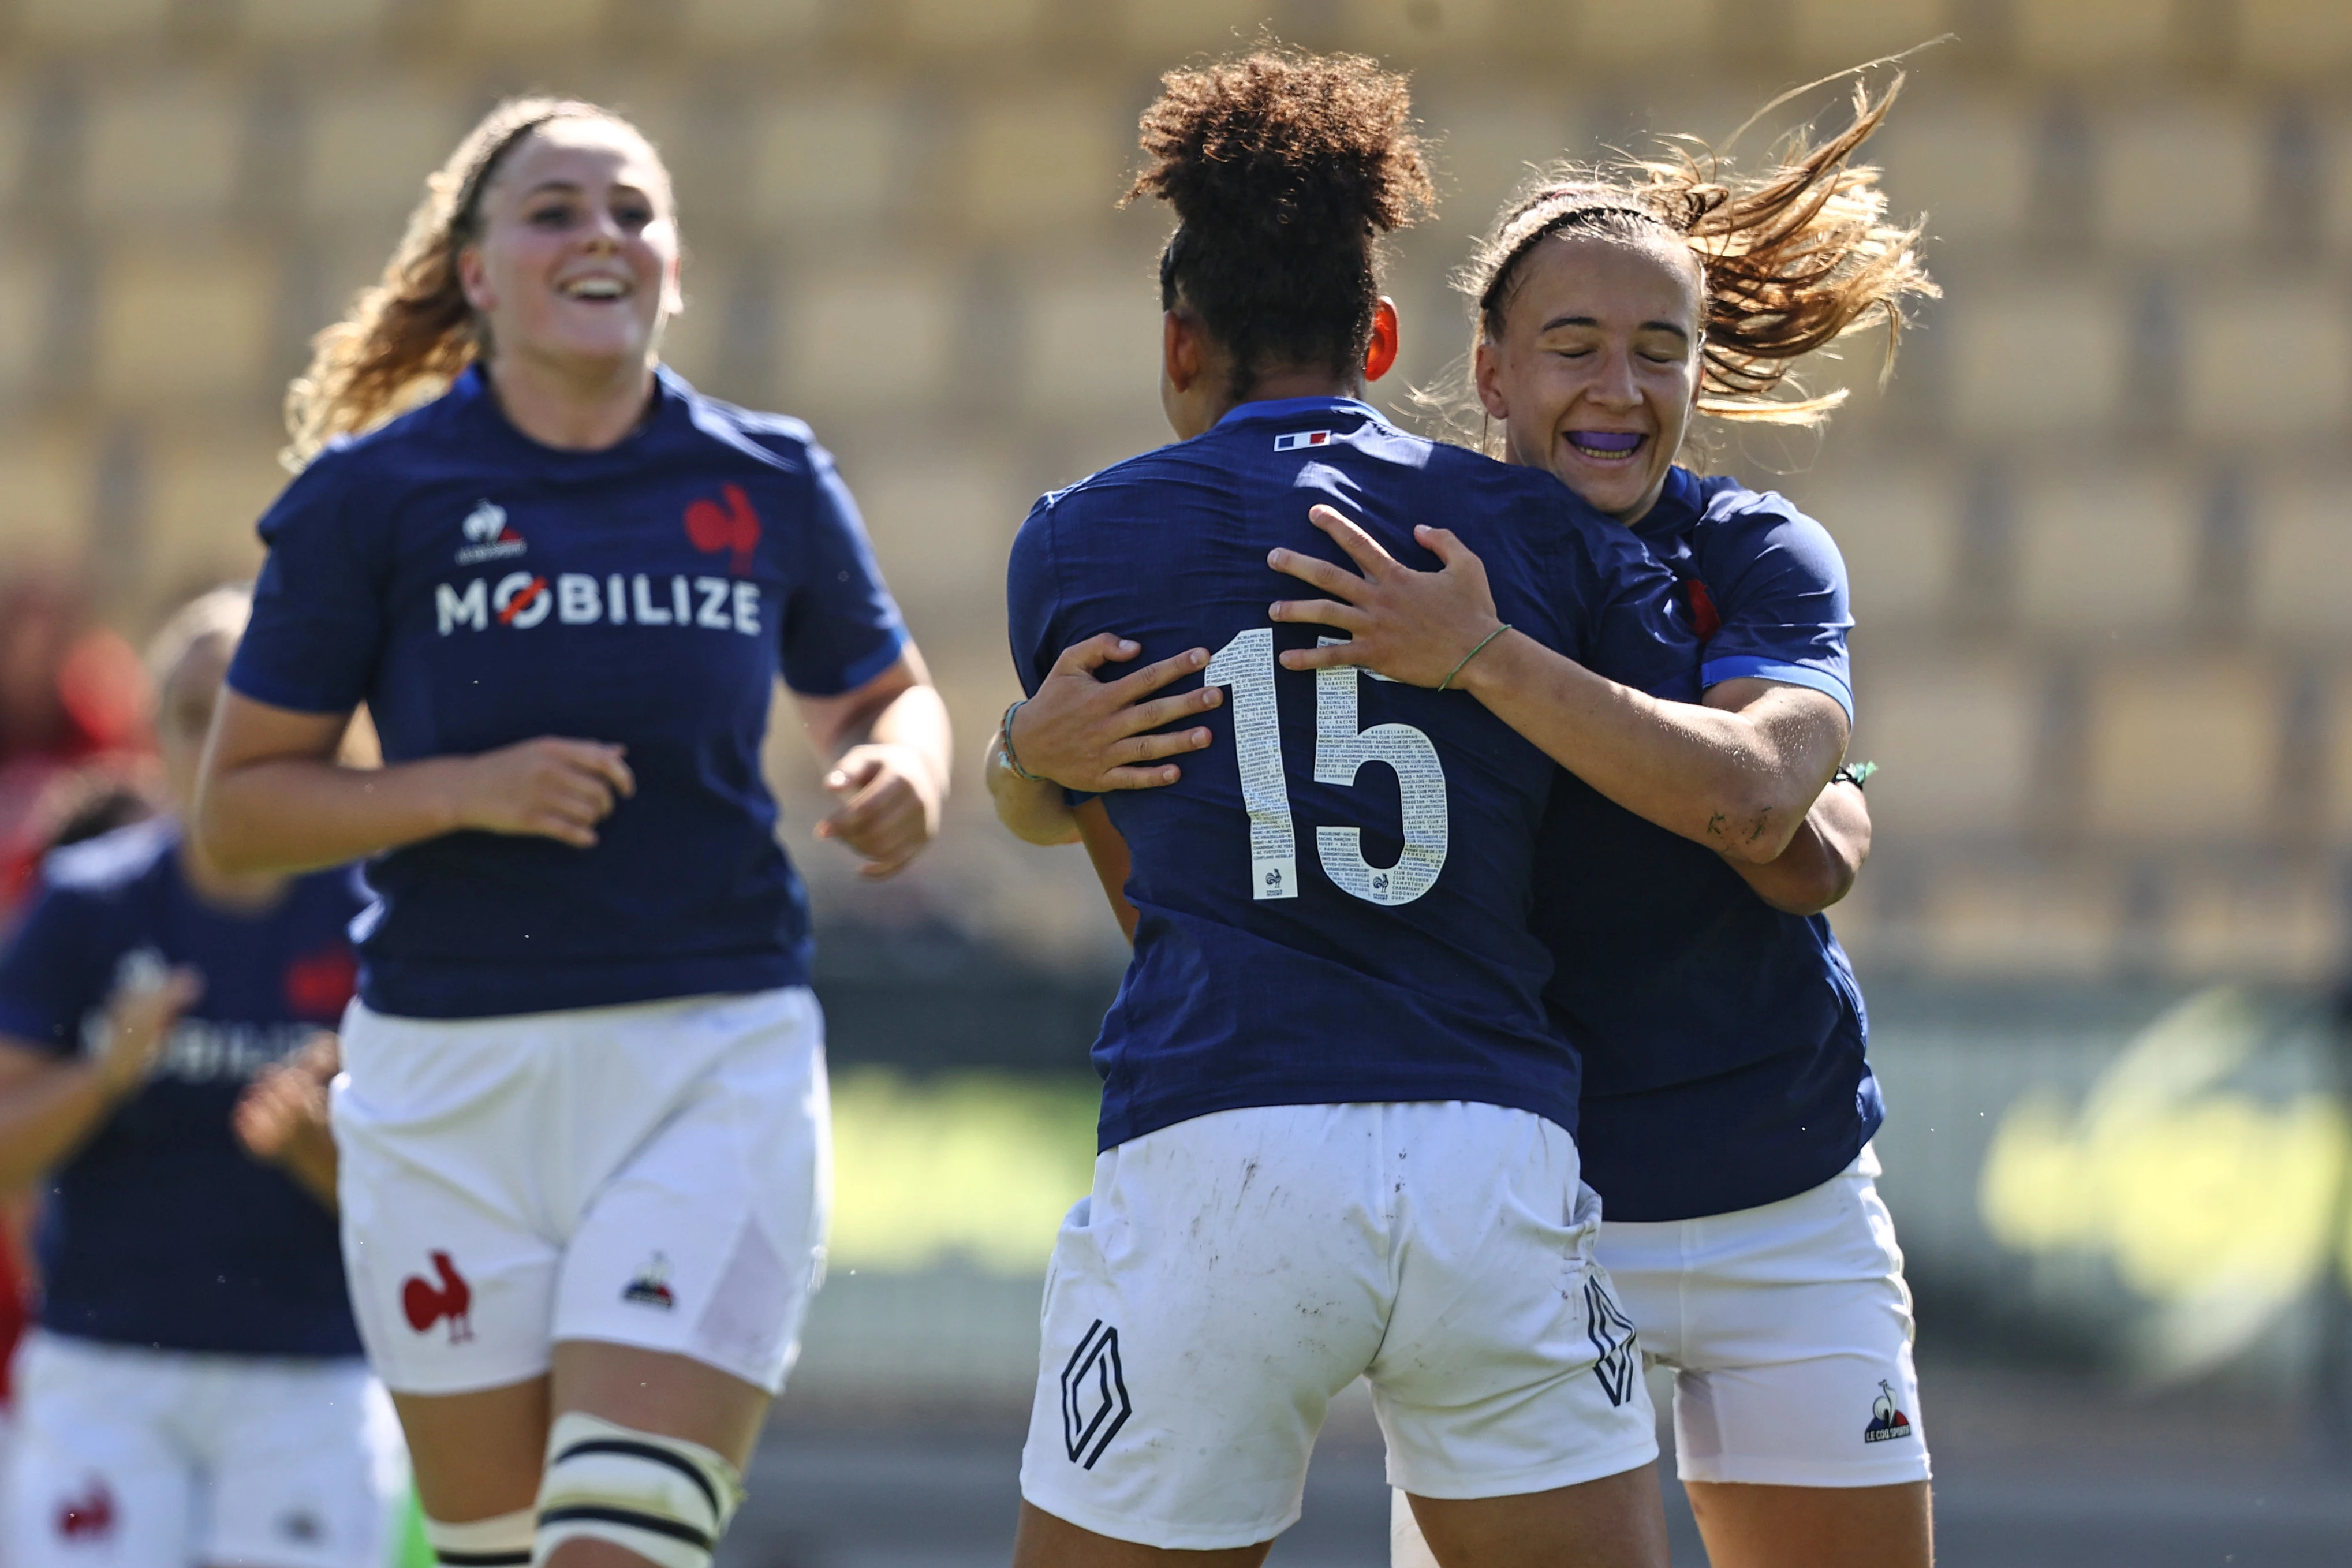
2094, 530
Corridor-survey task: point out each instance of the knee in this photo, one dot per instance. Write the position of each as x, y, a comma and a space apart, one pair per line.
614, 1497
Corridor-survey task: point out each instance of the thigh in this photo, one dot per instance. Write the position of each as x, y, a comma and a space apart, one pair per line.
452, 1268
707, 1241
1814, 1527
306, 1471
1798, 1370
477, 1455
1225, 1278
95, 1476
1508, 1367
1616, 1522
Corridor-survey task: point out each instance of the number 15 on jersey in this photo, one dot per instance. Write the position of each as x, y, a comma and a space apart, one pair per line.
1341, 750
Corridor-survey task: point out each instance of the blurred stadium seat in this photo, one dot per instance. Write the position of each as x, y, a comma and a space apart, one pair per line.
2093, 36
537, 24
206, 485
821, 157
366, 152
179, 322
2335, 753
2294, 39
1156, 32
1661, 31
1833, 34
724, 25
970, 24
2103, 551
2034, 357
1421, 27
860, 337
26, 303
1041, 161
47, 474
1898, 527
309, 22
1958, 738
2188, 176
2276, 924
2267, 364
162, 148
2302, 557
1093, 339
2014, 920
69, 22
2183, 750
1967, 163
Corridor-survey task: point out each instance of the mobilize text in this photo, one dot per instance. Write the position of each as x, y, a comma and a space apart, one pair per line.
523, 600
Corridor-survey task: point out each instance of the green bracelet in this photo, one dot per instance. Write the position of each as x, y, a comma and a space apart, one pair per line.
1004, 745
1473, 653
1855, 774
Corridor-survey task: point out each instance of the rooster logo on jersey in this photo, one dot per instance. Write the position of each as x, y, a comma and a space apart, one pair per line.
487, 537
734, 527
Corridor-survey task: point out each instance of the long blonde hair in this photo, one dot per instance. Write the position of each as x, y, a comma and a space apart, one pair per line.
408, 336
1789, 260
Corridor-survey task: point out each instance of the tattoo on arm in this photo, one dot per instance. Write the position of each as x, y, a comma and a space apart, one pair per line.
1715, 825
1763, 817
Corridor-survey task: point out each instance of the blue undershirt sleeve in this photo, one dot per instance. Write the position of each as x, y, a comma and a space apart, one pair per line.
841, 627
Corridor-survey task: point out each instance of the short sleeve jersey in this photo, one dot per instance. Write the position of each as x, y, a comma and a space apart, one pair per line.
477, 589
160, 1230
1334, 899
1723, 1040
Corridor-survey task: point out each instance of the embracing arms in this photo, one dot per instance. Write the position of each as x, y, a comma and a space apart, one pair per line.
1739, 774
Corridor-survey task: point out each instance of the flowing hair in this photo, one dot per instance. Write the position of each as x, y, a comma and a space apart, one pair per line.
1789, 260
408, 335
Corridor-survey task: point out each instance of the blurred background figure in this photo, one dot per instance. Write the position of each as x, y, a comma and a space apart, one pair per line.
192, 1397
2096, 529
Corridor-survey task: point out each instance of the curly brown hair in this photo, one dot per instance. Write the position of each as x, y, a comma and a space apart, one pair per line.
1789, 260
1283, 168
407, 336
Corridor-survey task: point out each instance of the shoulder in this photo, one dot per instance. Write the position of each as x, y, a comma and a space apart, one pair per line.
1106, 488
1750, 524
775, 441
97, 868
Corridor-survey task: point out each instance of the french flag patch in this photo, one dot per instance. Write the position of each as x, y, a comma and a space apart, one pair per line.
1298, 438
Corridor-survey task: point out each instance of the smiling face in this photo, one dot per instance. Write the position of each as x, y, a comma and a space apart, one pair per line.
577, 256
1596, 374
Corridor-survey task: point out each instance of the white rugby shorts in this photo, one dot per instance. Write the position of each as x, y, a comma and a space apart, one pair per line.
135, 1458
1788, 1329
655, 1175
1229, 1274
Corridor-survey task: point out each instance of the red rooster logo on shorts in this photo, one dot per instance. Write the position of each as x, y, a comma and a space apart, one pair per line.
734, 527
90, 1516
427, 1304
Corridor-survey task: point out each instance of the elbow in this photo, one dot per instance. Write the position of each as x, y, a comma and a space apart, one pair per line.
213, 829
1758, 831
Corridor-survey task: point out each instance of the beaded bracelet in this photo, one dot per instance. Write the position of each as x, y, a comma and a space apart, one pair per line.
1855, 774
1004, 744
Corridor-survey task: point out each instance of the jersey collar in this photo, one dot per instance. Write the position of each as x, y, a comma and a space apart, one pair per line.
472, 389
1276, 408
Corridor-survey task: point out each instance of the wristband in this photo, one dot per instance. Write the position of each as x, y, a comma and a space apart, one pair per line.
1004, 744
1855, 774
1473, 653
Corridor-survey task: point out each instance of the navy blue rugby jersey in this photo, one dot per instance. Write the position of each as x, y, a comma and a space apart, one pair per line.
476, 589
1313, 930
160, 1230
1723, 1040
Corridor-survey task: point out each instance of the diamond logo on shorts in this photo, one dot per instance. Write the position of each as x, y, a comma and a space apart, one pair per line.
426, 1303
1094, 1396
1611, 1332
1886, 1422
651, 1287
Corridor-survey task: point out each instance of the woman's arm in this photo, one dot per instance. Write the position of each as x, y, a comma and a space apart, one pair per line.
890, 742
271, 796
49, 1105
1083, 732
1820, 864
1738, 774
282, 1117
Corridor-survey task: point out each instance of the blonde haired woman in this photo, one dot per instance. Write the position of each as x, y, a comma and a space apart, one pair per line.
584, 1120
